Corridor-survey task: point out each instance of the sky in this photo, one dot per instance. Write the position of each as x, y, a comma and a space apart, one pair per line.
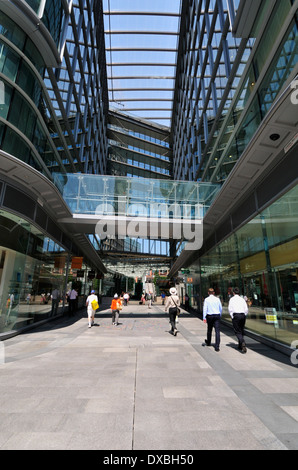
141, 39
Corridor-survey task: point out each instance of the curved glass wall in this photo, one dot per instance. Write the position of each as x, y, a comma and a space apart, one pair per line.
52, 18
51, 14
78, 90
23, 110
262, 259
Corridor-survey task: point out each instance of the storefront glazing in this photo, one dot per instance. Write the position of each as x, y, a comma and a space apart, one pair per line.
262, 259
32, 266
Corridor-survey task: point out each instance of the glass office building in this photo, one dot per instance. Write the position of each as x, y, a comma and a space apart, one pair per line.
260, 258
53, 111
137, 148
236, 107
190, 90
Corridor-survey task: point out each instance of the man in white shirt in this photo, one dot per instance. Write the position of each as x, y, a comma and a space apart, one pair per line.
72, 299
212, 310
238, 310
126, 298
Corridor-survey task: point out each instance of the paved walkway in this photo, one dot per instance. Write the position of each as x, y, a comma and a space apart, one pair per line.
137, 387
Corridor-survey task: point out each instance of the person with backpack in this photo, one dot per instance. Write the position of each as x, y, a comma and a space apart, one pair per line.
92, 305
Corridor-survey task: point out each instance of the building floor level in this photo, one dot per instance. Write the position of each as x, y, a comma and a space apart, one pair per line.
137, 387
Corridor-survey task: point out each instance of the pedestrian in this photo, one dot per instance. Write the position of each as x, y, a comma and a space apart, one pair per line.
55, 301
238, 310
149, 298
212, 310
173, 303
116, 306
72, 298
91, 302
126, 298
9, 305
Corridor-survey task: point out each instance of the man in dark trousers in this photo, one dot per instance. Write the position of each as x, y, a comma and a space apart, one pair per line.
212, 310
238, 310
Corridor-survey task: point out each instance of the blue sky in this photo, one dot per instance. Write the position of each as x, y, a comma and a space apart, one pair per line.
141, 63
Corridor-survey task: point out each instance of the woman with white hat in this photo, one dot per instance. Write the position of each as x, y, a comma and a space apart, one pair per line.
172, 304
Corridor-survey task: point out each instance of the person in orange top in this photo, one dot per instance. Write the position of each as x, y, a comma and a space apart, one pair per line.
116, 306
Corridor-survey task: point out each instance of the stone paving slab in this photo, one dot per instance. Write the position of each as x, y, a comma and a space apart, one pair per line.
136, 387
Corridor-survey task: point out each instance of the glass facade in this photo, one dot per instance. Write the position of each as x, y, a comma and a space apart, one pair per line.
24, 108
32, 266
78, 90
261, 259
136, 149
227, 82
210, 65
55, 118
256, 94
51, 14
141, 47
110, 195
52, 118
226, 85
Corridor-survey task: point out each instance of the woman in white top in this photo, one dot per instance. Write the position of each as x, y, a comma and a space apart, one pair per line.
172, 304
90, 310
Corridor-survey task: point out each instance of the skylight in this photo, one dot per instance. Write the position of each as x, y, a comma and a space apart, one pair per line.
141, 40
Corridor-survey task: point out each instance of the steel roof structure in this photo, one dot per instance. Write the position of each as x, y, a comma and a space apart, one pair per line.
141, 51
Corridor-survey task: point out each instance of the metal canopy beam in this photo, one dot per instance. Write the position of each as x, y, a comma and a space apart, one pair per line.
130, 36
157, 33
140, 49
141, 13
142, 77
143, 89
140, 64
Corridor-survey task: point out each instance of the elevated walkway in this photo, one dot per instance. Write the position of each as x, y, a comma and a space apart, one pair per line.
137, 387
135, 207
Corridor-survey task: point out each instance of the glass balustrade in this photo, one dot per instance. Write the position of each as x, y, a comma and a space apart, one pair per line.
143, 197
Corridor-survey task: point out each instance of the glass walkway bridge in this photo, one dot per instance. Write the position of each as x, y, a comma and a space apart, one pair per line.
114, 206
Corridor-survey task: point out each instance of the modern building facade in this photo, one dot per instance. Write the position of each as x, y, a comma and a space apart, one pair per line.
53, 120
230, 98
138, 149
243, 136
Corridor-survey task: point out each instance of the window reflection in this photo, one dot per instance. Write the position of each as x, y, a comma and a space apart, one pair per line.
31, 266
261, 258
